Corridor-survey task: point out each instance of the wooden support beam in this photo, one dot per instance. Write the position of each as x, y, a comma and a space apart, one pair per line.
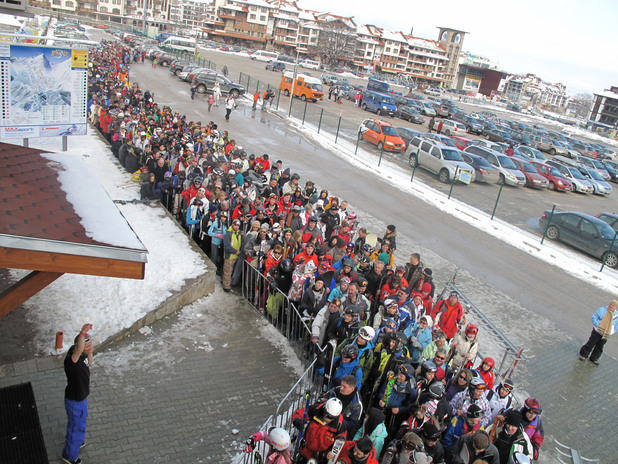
20, 291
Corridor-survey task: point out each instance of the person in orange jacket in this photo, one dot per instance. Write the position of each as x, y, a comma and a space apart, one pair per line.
358, 452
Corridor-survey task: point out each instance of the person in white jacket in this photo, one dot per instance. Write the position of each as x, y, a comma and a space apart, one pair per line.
330, 313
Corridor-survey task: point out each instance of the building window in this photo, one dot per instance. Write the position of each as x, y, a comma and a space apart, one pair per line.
263, 9
251, 16
262, 18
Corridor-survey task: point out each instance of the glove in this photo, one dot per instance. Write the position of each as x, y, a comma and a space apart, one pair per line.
250, 444
298, 423
535, 452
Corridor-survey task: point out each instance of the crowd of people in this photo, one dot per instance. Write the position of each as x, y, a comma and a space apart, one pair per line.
399, 374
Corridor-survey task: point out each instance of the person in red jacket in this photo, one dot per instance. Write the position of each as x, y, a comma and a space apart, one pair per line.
324, 425
307, 255
358, 452
448, 314
486, 369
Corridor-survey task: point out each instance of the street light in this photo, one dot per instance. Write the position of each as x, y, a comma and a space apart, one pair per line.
293, 81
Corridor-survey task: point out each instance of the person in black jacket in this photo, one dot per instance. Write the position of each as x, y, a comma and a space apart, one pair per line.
478, 446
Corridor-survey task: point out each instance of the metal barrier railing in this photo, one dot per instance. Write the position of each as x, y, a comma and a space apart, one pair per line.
574, 456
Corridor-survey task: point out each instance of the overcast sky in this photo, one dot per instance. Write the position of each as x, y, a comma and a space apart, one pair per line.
574, 42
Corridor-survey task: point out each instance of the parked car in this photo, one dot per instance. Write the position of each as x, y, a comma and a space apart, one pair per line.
473, 125
206, 80
188, 72
440, 159
484, 171
275, 66
461, 142
443, 139
382, 134
596, 165
328, 79
497, 135
408, 134
426, 108
611, 169
583, 232
432, 91
409, 114
556, 181
509, 174
177, 66
378, 103
165, 58
580, 184
529, 153
610, 218
487, 144
309, 64
533, 178
601, 187
450, 127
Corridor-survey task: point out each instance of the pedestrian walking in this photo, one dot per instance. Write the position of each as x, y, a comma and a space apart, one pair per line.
267, 99
440, 125
256, 98
604, 324
432, 122
193, 90
77, 370
216, 92
225, 71
211, 101
230, 104
154, 63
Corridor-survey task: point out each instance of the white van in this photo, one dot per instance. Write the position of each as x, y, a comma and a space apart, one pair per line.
309, 64
263, 55
179, 43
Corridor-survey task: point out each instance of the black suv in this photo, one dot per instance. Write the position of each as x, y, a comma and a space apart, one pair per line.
206, 80
177, 66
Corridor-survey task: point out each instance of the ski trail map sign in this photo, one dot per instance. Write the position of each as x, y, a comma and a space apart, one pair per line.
43, 91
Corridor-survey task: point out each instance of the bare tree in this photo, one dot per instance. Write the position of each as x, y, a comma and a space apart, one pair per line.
336, 42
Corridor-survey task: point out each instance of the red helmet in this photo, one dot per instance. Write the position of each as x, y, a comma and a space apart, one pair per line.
471, 329
533, 406
490, 362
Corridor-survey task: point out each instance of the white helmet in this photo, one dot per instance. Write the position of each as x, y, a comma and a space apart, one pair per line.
333, 407
367, 333
231, 172
279, 438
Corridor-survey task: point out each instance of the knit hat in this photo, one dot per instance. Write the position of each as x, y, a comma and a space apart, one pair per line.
384, 258
426, 287
391, 227
513, 418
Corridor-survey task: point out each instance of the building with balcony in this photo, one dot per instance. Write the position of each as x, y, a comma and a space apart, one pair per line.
605, 108
191, 13
426, 61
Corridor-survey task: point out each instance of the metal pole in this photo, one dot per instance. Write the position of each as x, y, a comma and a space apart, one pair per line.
498, 199
338, 126
278, 98
293, 82
453, 182
257, 86
381, 153
64, 143
548, 223
611, 247
358, 139
304, 113
320, 122
25, 142
144, 20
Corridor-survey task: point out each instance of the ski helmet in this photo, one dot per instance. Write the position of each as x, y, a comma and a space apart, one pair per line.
402, 341
471, 329
367, 248
286, 266
367, 333
279, 438
533, 406
429, 431
490, 362
412, 442
508, 385
436, 390
333, 407
477, 383
350, 351
428, 366
519, 458
198, 180
231, 173
474, 412
392, 324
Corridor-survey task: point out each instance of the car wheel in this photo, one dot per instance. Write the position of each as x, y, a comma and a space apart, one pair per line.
552, 152
551, 186
611, 259
177, 72
412, 160
286, 92
380, 146
443, 176
201, 88
234, 93
379, 112
447, 132
364, 106
164, 63
553, 233
303, 97
501, 179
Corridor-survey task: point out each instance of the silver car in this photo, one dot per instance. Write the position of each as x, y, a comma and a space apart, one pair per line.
598, 183
441, 159
509, 174
580, 184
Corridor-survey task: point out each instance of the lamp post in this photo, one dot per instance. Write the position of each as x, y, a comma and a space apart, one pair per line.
293, 82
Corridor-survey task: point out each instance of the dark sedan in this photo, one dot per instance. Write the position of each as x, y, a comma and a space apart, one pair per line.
409, 114
583, 232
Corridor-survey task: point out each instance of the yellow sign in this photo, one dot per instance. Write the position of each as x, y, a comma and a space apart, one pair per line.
79, 58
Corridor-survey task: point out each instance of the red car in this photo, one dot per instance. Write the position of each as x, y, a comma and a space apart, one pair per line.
461, 142
553, 176
533, 178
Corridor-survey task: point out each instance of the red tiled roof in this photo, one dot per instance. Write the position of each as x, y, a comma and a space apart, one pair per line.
33, 203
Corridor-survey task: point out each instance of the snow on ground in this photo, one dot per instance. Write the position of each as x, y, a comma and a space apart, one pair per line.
112, 304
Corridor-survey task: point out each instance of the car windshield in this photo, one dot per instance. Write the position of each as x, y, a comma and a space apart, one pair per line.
575, 173
483, 163
447, 141
388, 101
598, 164
595, 174
506, 162
317, 87
390, 130
451, 155
527, 167
498, 148
607, 232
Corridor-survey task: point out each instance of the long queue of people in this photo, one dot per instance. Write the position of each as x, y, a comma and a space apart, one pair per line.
400, 378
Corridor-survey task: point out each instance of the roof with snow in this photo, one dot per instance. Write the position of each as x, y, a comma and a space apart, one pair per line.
57, 218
